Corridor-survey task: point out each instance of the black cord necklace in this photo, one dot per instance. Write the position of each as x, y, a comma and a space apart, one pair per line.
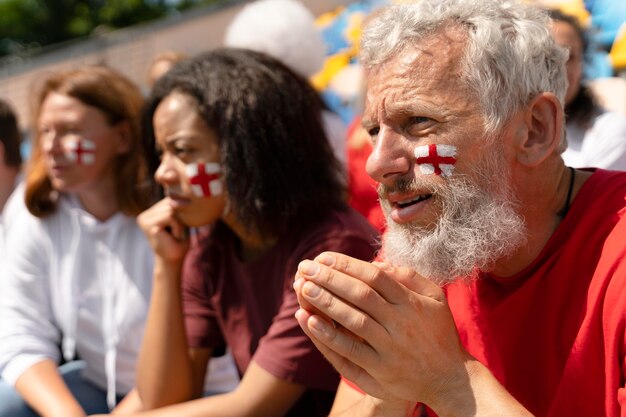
563, 212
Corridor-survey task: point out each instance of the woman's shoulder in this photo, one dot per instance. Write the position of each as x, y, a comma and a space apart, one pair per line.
344, 231
18, 221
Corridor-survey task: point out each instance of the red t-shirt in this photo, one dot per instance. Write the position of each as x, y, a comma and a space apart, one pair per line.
250, 306
554, 334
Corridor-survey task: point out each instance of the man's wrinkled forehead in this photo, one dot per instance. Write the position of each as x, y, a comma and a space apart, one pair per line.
447, 35
430, 66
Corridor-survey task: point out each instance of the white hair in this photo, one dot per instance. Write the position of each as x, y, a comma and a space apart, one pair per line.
479, 223
510, 56
284, 29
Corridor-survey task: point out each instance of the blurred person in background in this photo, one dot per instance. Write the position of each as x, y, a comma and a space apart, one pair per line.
76, 276
285, 29
10, 163
10, 160
362, 189
10, 157
161, 64
246, 165
595, 137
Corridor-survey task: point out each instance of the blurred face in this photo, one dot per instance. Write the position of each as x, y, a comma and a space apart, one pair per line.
79, 144
566, 36
442, 221
158, 70
188, 144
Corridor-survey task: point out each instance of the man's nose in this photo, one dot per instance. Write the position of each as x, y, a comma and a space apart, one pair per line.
391, 157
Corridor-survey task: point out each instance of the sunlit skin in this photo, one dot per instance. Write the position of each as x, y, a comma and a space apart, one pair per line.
567, 37
65, 118
159, 69
183, 138
396, 337
417, 98
409, 111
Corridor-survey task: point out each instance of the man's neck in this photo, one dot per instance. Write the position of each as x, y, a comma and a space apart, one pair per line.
542, 209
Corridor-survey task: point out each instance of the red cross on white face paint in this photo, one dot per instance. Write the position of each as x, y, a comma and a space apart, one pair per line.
436, 159
205, 178
80, 151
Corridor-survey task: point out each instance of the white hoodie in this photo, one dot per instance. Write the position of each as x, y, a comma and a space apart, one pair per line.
72, 281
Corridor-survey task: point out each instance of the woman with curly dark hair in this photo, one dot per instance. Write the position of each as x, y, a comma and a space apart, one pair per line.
245, 161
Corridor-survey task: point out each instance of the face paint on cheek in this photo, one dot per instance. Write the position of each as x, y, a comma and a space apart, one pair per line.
80, 151
436, 159
205, 178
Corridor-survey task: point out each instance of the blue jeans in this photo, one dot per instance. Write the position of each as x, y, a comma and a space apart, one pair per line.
91, 397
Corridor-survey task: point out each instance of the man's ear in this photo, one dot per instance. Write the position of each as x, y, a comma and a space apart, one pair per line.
542, 130
124, 137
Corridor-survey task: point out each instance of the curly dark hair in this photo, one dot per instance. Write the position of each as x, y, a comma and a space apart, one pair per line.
278, 166
583, 106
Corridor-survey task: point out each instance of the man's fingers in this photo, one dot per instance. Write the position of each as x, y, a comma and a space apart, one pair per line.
343, 328
304, 304
350, 289
355, 301
312, 325
412, 280
348, 316
320, 271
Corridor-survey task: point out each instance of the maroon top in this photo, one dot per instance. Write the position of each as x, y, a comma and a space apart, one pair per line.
250, 306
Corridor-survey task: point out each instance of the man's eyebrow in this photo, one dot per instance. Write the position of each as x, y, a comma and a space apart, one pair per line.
410, 107
368, 123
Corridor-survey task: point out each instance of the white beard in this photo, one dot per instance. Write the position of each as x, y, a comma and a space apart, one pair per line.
479, 225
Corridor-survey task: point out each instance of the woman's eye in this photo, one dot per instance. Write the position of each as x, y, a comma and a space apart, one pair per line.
182, 151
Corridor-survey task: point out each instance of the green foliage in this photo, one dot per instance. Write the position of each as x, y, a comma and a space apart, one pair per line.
121, 13
26, 25
19, 23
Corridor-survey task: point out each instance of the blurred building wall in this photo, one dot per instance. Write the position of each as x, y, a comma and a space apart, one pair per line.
129, 50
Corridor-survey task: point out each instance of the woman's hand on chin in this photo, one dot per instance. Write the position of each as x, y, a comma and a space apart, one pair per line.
167, 235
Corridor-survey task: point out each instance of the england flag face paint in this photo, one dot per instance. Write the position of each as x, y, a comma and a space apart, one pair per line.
205, 178
80, 151
436, 159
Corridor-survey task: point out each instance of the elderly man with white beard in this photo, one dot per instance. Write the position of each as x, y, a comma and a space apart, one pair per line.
501, 287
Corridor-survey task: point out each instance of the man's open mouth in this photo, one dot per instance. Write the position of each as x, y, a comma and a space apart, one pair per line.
414, 200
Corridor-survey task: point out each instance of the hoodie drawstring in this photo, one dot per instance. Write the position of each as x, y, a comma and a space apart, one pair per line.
109, 325
70, 288
107, 278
